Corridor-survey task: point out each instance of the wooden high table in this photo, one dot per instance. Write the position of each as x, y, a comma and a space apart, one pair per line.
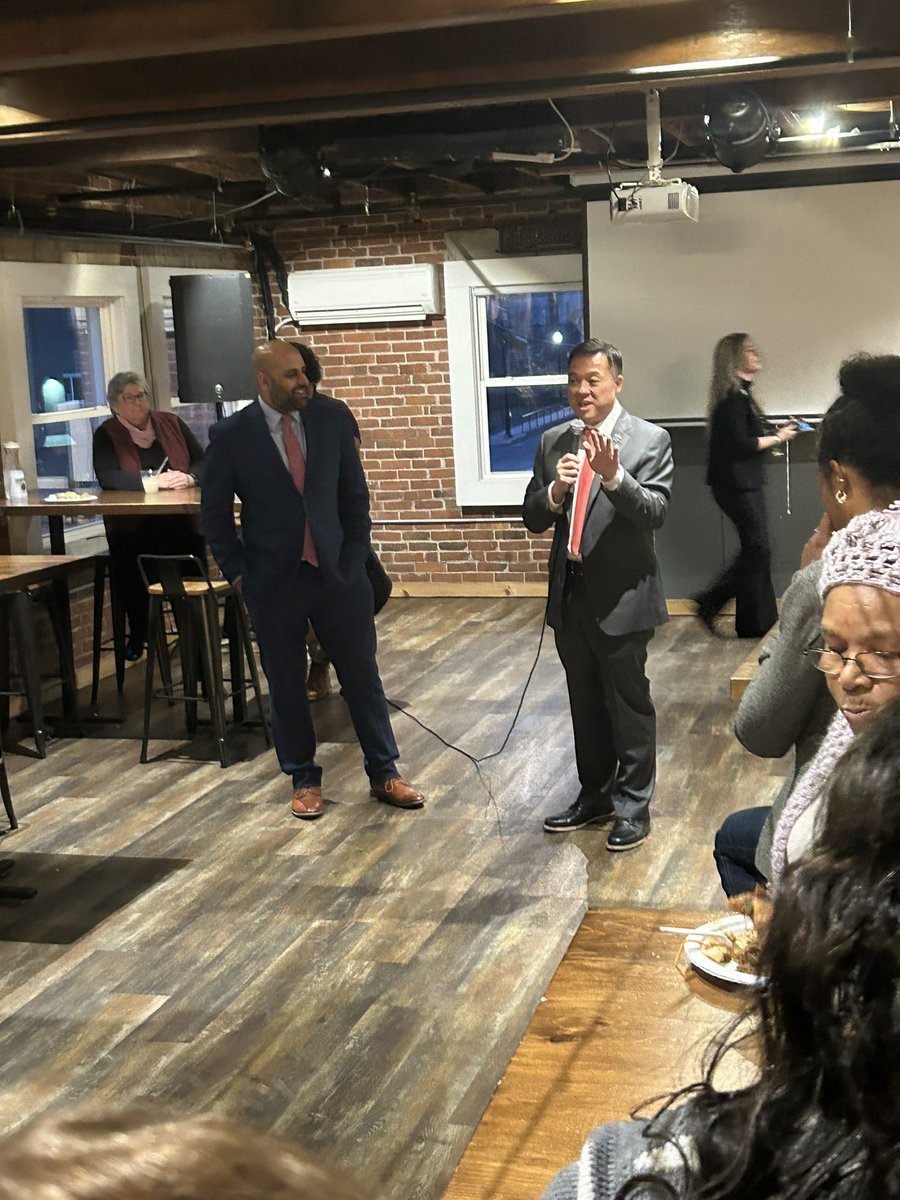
18, 573
619, 1025
107, 504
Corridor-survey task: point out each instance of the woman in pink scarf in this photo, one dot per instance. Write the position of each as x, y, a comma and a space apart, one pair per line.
137, 438
859, 654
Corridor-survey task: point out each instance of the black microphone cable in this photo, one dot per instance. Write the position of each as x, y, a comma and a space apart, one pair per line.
477, 760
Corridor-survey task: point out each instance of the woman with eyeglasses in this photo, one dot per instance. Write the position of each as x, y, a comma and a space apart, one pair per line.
139, 438
859, 656
737, 440
787, 705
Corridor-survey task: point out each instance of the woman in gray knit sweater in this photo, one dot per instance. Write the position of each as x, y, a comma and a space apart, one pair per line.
822, 1120
787, 705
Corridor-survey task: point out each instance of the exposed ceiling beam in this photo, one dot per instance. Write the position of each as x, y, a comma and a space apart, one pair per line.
610, 99
185, 187
178, 88
58, 32
120, 150
576, 46
121, 223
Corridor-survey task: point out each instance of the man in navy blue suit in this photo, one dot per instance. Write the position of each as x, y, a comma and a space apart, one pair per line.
300, 556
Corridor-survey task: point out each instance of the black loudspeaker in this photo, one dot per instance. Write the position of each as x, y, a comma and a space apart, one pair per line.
213, 317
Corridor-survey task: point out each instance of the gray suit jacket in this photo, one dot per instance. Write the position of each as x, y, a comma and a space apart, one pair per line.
620, 568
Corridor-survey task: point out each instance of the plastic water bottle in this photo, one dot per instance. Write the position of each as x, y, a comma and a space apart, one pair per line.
13, 475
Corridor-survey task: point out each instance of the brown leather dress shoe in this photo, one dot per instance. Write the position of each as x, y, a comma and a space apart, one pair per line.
307, 803
397, 792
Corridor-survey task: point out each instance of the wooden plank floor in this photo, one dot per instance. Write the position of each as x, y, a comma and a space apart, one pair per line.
618, 1026
359, 983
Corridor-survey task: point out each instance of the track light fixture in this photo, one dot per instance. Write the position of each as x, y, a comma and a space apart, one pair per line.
739, 126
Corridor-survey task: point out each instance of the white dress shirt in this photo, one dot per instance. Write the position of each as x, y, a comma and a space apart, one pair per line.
273, 420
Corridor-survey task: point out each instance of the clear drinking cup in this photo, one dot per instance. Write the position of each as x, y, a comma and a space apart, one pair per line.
150, 480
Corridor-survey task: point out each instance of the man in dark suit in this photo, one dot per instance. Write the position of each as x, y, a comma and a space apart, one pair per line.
603, 482
301, 556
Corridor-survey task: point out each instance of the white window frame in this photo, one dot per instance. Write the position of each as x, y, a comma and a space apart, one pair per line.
54, 285
464, 283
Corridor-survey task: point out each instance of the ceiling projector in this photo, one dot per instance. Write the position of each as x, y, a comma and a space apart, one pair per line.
654, 200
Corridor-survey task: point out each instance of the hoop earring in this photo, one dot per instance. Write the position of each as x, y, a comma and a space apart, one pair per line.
841, 496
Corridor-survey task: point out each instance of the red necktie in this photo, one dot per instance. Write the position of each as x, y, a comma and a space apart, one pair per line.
579, 505
297, 465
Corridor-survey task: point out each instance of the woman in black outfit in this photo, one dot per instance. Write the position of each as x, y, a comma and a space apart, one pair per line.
736, 442
138, 438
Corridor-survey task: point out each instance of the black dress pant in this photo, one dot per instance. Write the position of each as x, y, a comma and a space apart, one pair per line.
748, 577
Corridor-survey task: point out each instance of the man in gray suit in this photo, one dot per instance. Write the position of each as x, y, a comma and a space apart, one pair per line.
603, 481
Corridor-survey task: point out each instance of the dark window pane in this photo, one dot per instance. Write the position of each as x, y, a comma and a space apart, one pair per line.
65, 359
517, 416
531, 333
64, 453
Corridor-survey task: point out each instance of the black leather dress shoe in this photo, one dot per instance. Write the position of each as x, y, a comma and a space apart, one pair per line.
582, 812
133, 650
628, 833
706, 613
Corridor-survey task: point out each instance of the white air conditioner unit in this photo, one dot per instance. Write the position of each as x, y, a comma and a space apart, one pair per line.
365, 295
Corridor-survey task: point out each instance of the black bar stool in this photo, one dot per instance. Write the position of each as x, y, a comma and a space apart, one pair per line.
102, 572
7, 864
17, 610
202, 608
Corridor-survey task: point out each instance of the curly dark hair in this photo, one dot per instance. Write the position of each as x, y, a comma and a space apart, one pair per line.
311, 364
823, 1118
862, 428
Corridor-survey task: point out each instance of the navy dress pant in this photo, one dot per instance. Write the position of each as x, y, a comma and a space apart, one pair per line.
343, 618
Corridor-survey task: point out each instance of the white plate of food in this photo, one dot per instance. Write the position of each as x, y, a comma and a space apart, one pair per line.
725, 950
70, 497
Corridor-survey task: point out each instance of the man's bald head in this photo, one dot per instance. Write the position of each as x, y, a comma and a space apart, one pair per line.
281, 376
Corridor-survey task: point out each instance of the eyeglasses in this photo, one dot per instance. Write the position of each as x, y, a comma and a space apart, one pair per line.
133, 397
871, 663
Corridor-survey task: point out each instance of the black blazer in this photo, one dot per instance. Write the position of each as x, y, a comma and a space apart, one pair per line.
735, 462
242, 460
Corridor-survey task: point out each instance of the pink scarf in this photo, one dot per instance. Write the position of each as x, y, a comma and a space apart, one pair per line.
809, 787
164, 427
141, 437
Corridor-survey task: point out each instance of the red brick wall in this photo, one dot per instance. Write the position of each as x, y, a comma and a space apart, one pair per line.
396, 379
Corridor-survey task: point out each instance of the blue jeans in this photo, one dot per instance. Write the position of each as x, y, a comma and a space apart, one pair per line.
735, 850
